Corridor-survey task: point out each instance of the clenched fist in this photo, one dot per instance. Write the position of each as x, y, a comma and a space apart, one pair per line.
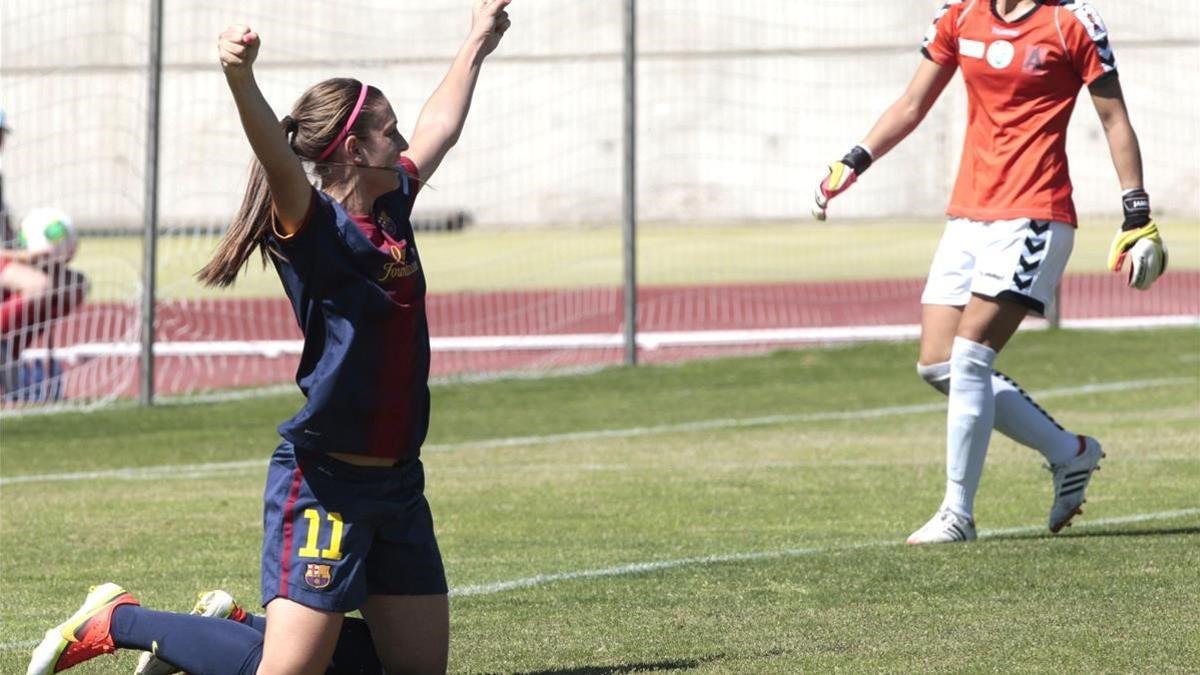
238, 47
488, 23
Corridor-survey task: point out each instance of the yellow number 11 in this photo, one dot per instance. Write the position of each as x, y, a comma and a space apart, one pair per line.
310, 550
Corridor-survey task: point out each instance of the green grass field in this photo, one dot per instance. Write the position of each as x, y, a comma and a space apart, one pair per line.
723, 516
491, 259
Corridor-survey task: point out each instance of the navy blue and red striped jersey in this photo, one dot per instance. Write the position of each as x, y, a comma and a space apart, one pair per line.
358, 292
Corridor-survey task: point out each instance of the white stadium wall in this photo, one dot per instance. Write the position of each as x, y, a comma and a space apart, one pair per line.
740, 105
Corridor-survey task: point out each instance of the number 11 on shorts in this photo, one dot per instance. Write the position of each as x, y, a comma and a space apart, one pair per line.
310, 550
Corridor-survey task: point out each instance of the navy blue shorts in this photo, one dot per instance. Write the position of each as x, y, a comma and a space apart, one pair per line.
335, 533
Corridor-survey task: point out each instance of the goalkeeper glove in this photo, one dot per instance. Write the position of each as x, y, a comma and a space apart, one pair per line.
1139, 240
841, 176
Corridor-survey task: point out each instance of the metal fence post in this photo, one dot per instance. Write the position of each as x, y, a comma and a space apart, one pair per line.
629, 194
150, 214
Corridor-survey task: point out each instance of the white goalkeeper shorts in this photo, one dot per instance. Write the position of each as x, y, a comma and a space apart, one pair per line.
1021, 260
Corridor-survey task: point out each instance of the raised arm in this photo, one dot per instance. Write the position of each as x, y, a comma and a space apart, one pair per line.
444, 114
893, 126
290, 189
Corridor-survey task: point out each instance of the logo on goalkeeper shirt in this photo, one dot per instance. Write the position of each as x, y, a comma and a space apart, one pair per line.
1092, 23
971, 48
1000, 54
1035, 59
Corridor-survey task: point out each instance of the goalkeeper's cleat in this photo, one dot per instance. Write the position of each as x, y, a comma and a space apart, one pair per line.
84, 636
944, 527
217, 604
1071, 481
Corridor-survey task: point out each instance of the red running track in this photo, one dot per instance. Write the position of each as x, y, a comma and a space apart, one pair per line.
549, 312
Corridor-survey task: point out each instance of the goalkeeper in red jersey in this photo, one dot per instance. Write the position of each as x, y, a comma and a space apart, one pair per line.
1011, 224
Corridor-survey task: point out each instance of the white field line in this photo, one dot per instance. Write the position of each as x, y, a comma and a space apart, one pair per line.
242, 467
735, 423
751, 465
654, 566
141, 473
200, 470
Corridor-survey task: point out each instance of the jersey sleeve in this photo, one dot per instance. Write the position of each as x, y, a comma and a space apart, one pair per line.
941, 40
301, 247
411, 177
1086, 39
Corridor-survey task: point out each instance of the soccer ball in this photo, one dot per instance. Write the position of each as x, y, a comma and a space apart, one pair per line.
50, 231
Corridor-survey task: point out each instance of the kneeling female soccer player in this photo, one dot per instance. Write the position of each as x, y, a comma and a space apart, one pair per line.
346, 523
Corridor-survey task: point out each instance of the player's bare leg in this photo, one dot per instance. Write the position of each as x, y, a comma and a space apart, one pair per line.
990, 322
939, 324
299, 640
411, 632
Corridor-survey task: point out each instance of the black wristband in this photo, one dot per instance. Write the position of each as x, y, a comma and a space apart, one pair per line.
1136, 204
858, 159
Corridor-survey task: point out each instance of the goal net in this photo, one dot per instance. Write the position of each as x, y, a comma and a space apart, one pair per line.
740, 105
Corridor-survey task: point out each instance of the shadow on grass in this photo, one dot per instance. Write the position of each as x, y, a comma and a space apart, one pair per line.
1156, 532
657, 666
1088, 533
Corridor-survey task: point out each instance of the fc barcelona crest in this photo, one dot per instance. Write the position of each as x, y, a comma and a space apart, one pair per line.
318, 576
385, 221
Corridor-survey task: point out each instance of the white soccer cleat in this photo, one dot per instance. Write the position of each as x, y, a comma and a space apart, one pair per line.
944, 527
1071, 481
216, 604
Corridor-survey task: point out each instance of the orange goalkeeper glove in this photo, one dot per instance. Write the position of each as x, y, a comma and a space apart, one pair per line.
842, 175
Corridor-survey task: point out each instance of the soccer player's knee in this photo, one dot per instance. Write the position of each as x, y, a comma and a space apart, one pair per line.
937, 375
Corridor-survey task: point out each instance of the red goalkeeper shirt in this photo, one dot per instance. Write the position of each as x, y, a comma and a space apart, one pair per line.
1022, 78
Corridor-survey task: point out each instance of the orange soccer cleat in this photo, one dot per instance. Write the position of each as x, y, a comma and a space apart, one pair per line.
84, 636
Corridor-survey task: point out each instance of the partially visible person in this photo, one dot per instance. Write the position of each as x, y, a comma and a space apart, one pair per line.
36, 288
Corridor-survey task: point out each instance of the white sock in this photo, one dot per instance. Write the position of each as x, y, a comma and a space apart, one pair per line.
969, 419
1018, 416
1024, 421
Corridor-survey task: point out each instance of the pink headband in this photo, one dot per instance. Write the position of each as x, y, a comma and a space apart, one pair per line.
362, 96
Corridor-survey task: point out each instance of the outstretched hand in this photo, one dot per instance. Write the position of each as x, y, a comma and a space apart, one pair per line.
489, 20
238, 47
839, 179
